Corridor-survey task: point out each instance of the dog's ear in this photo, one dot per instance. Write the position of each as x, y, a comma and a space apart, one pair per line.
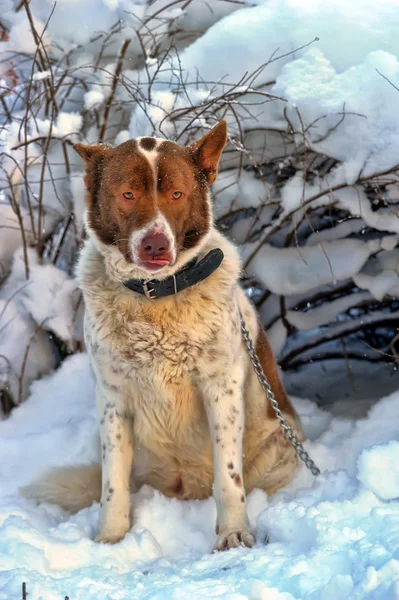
94, 156
209, 149
90, 153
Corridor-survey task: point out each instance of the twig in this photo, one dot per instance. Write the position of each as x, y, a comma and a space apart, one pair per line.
110, 99
392, 345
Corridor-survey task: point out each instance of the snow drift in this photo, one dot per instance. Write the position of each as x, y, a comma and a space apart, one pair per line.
331, 538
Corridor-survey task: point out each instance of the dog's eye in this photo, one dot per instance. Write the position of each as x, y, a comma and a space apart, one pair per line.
128, 195
177, 195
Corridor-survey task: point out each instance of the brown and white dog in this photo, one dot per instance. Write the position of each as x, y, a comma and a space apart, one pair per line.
179, 404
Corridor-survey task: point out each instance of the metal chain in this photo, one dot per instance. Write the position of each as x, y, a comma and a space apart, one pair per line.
288, 430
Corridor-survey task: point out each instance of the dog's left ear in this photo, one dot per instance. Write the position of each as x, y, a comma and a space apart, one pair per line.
209, 149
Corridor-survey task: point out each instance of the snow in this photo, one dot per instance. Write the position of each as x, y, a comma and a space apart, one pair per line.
49, 296
295, 270
355, 201
326, 312
378, 470
10, 234
358, 96
48, 301
19, 337
93, 99
65, 125
381, 276
232, 193
21, 39
330, 538
41, 75
342, 230
296, 195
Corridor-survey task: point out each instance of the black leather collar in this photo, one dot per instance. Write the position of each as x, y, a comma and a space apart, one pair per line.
191, 274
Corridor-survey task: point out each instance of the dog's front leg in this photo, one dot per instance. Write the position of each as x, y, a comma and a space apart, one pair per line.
116, 434
225, 410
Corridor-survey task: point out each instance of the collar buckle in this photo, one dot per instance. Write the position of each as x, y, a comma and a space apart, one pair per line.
148, 291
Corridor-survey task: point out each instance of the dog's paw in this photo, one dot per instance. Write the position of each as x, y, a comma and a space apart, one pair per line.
110, 537
234, 539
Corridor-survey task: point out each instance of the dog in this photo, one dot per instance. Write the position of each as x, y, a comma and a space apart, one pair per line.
179, 404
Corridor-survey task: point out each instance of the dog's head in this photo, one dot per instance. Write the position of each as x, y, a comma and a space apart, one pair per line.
149, 197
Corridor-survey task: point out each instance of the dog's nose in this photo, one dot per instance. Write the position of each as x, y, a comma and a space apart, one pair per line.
155, 244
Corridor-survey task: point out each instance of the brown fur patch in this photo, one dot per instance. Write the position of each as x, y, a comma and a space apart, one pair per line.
179, 487
147, 143
237, 480
270, 367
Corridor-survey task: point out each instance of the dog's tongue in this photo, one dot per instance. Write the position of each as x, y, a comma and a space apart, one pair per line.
159, 261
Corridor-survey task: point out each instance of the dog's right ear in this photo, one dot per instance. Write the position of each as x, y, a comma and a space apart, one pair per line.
93, 155
90, 153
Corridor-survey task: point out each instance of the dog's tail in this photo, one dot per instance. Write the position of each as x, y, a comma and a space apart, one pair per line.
72, 488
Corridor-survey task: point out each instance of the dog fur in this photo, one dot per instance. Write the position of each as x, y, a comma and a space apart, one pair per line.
179, 404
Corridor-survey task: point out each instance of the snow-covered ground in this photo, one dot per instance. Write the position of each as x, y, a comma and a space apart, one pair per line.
333, 538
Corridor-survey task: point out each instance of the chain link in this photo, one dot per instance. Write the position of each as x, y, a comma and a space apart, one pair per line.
288, 430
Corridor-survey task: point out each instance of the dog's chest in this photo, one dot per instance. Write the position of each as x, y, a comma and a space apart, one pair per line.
153, 363
178, 337
157, 352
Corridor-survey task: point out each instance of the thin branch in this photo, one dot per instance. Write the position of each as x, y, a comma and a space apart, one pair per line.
110, 99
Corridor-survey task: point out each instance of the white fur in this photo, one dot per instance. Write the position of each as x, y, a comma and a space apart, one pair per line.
117, 456
151, 155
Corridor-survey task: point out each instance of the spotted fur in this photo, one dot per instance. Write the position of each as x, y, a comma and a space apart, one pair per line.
179, 405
